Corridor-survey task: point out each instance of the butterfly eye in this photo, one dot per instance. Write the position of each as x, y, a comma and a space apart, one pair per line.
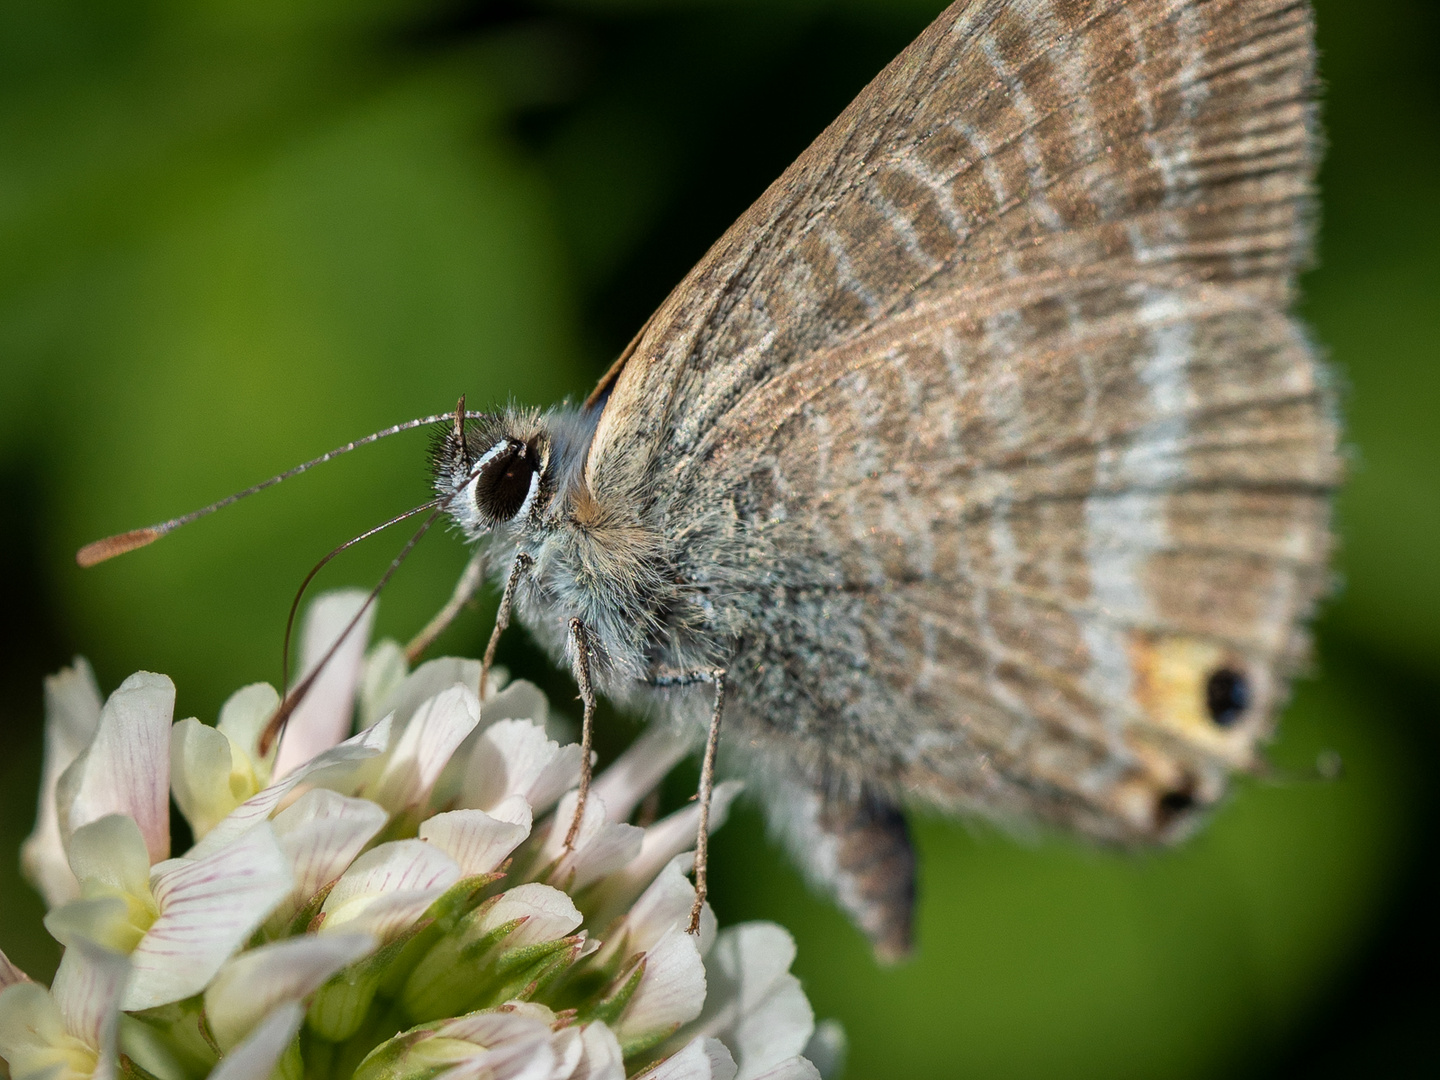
505, 480
1227, 696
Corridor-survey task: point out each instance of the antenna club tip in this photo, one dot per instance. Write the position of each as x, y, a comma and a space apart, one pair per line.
111, 546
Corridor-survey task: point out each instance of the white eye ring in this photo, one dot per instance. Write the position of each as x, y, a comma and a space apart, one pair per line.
490, 455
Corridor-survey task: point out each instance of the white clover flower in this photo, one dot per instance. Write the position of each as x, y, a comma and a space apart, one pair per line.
403, 896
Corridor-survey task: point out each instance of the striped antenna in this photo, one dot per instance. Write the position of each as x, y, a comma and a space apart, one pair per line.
111, 546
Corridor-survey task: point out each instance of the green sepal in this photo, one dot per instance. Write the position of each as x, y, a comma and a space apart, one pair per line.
174, 1034
535, 978
340, 1006
300, 922
608, 1009
129, 1070
453, 972
641, 1043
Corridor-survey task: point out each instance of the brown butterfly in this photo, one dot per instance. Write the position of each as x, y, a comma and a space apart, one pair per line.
980, 465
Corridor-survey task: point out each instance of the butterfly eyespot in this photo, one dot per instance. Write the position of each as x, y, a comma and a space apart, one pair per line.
1227, 696
1174, 804
504, 481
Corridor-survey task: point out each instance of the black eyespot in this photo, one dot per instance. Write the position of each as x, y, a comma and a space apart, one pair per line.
504, 481
1173, 804
1227, 696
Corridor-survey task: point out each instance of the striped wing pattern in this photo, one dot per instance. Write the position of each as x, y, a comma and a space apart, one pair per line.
985, 434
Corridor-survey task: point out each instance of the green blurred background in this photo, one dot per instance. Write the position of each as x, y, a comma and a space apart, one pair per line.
234, 233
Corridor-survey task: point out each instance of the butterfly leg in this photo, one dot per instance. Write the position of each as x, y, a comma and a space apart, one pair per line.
465, 589
716, 677
580, 643
521, 564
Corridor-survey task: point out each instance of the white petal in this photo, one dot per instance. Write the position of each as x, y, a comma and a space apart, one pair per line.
111, 852
601, 846
425, 682
665, 905
9, 973
516, 1047
33, 1039
600, 1057
827, 1049
126, 768
324, 767
321, 833
755, 1005
87, 989
380, 677
103, 920
425, 745
323, 719
246, 713
208, 907
388, 888
257, 1056
672, 989
636, 772
474, 839
393, 867
521, 700
516, 757
200, 766
385, 915
663, 841
72, 713
701, 1059
257, 981
549, 915
792, 1068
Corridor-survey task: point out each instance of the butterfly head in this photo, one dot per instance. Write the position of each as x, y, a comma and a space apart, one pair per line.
495, 470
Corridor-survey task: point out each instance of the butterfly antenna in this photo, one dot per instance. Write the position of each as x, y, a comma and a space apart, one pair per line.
111, 546
291, 701
300, 592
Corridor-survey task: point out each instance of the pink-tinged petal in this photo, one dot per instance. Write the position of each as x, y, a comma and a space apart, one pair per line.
424, 746
516, 757
208, 908
324, 718
72, 713
258, 981
9, 973
321, 833
671, 991
549, 915
333, 763
636, 772
701, 1059
519, 700
663, 841
388, 888
755, 1005
474, 839
257, 1056
88, 988
792, 1068
393, 867
126, 768
384, 916
601, 846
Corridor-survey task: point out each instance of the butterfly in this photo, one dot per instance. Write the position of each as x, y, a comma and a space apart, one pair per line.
979, 467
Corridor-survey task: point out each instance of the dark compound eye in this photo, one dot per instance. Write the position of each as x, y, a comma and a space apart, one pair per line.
504, 481
1172, 805
1227, 696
